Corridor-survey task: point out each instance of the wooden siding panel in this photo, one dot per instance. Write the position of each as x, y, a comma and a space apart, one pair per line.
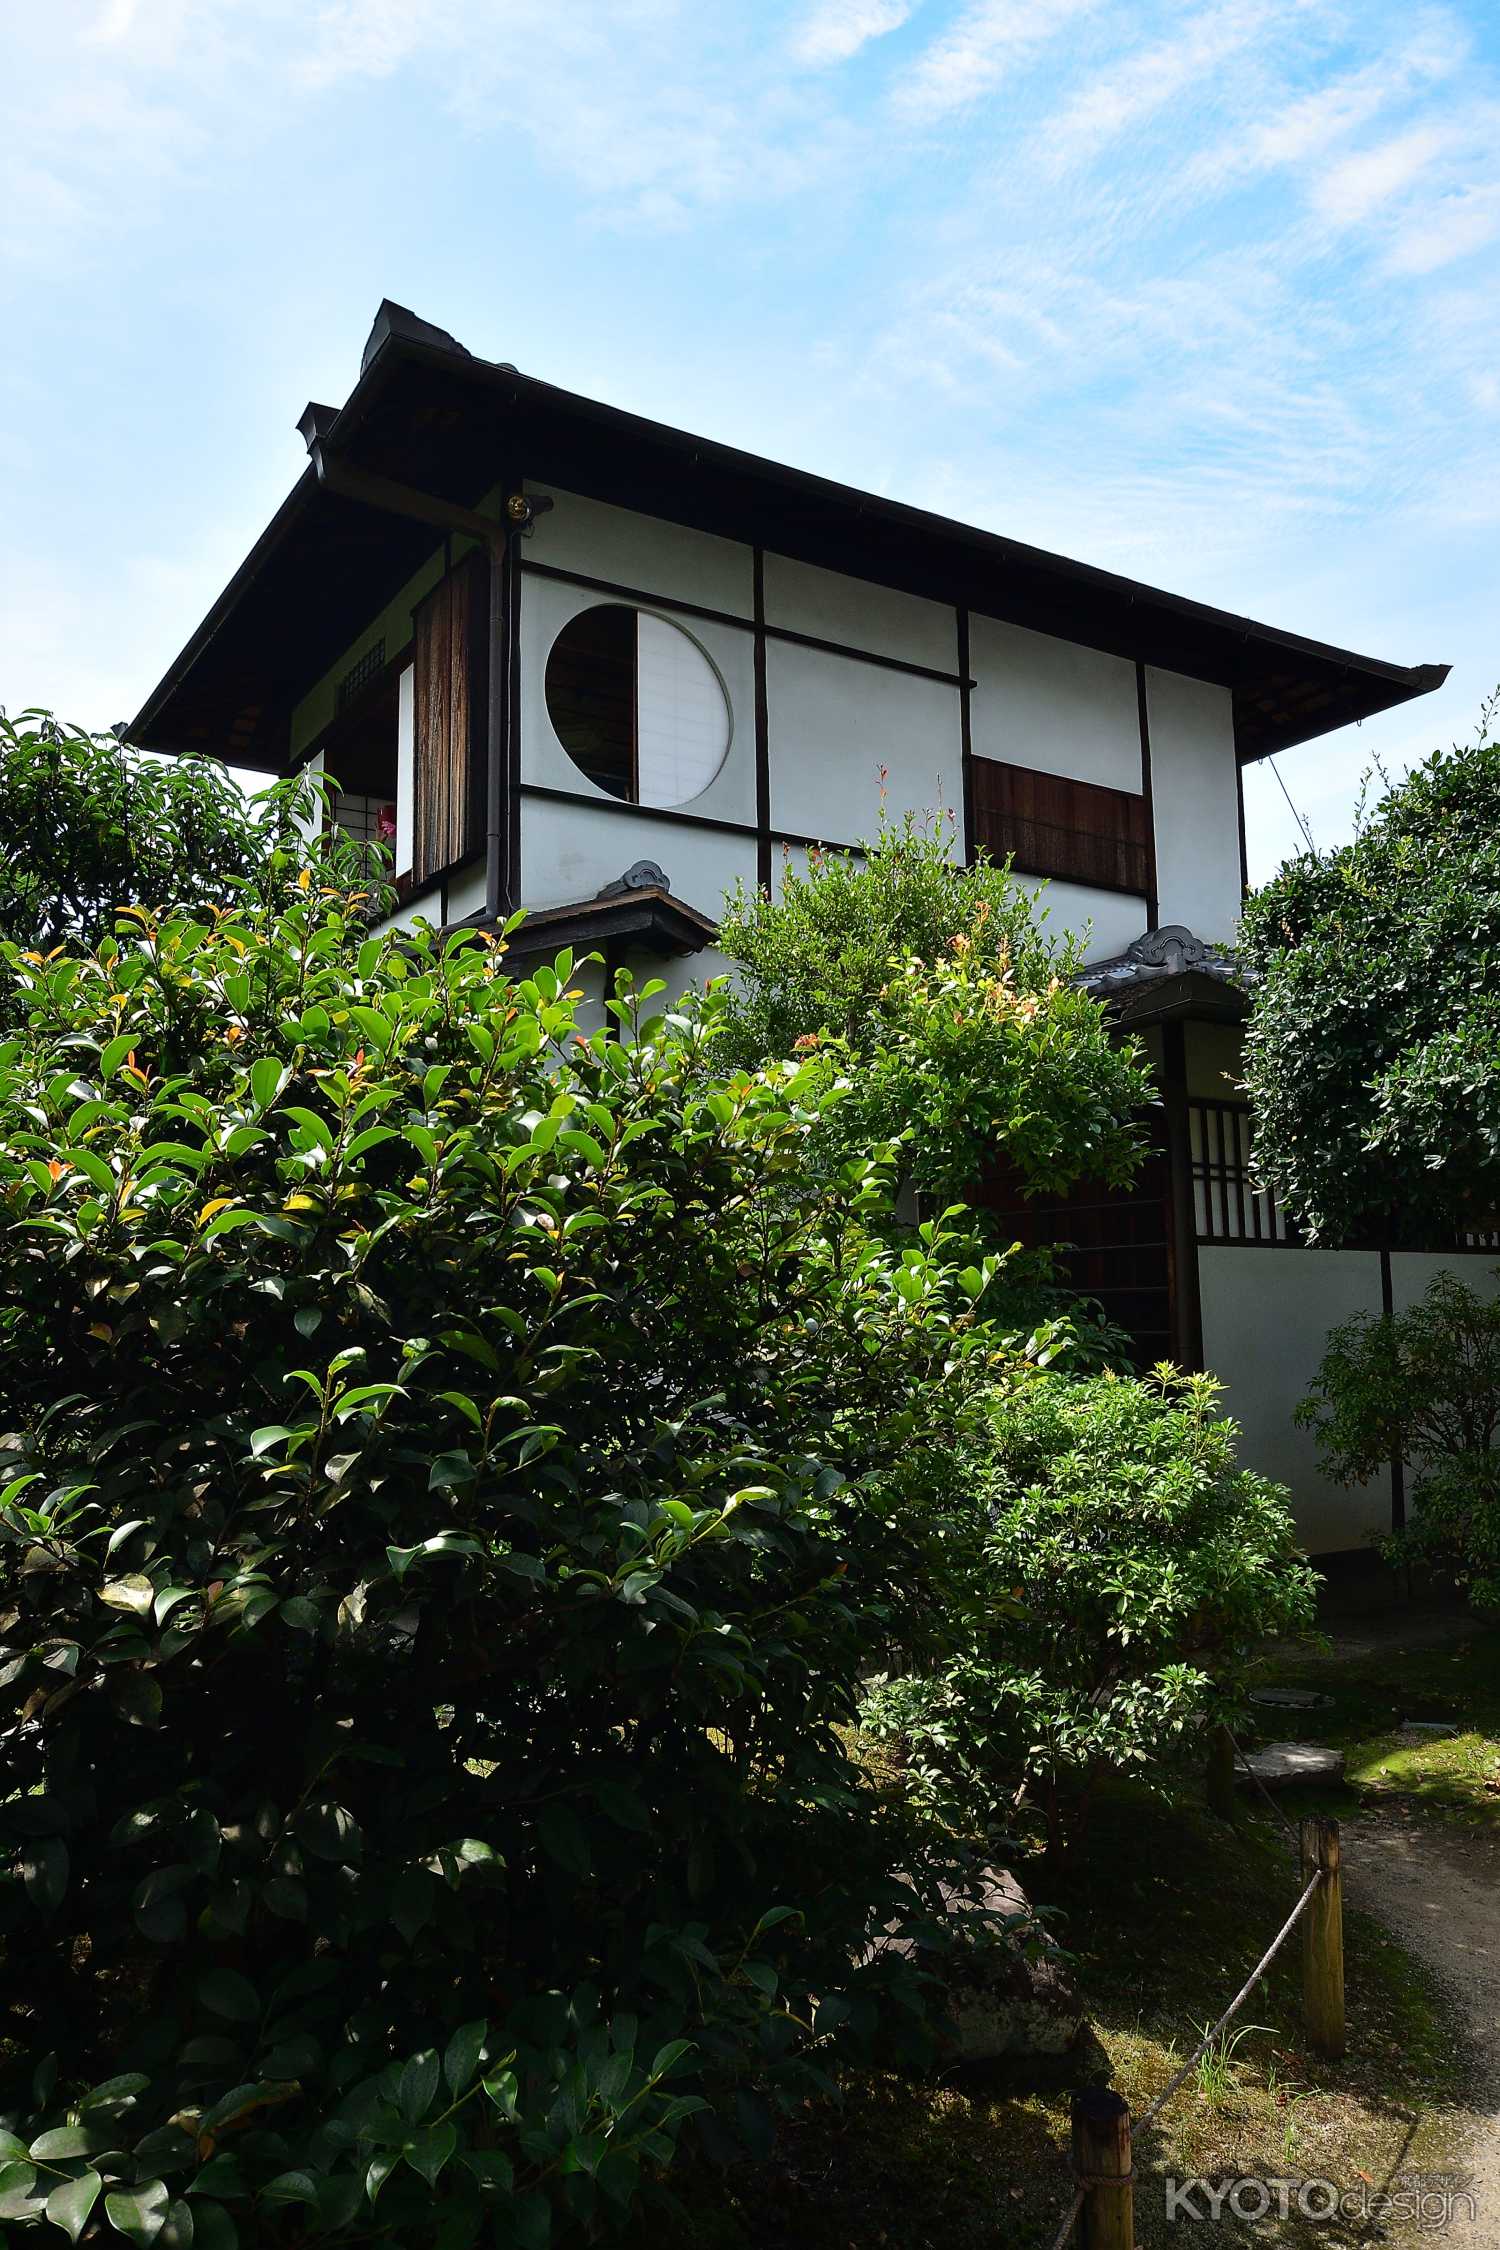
1076, 831
451, 655
1109, 1243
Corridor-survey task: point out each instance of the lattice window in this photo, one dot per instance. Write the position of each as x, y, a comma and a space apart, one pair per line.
369, 820
359, 674
1228, 1207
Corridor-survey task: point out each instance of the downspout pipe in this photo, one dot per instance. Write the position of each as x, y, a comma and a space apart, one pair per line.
351, 483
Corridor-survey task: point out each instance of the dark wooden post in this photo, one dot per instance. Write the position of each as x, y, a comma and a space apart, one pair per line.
1182, 1217
1398, 1458
1323, 1941
1101, 2158
1220, 1776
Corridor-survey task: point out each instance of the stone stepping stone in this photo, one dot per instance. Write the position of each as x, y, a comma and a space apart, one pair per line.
1285, 1765
1291, 1699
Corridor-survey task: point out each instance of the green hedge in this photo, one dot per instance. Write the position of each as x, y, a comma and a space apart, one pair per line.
455, 1470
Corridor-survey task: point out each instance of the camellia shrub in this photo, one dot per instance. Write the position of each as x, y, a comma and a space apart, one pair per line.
1422, 1387
1127, 1573
455, 1471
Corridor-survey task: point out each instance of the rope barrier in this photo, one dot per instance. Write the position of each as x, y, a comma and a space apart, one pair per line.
1070, 2220
1173, 2084
1265, 1792
1235, 2004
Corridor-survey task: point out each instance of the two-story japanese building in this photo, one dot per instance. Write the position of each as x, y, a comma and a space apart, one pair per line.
568, 659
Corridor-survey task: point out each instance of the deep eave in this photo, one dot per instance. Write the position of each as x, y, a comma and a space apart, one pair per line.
427, 413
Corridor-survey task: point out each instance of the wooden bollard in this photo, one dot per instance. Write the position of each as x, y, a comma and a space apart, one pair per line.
1101, 2159
1323, 1941
1220, 1775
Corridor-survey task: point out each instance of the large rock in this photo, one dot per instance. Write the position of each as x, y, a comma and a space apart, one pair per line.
1007, 1994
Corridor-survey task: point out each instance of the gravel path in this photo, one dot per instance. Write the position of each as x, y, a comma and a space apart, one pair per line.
1438, 1893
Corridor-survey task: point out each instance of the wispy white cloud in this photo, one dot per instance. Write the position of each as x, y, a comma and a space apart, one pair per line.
649, 105
368, 39
113, 22
1451, 227
967, 62
835, 30
1350, 190
1293, 130
1139, 82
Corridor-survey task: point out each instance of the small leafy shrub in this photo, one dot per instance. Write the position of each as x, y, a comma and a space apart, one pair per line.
1422, 1387
953, 1008
1127, 1570
456, 1471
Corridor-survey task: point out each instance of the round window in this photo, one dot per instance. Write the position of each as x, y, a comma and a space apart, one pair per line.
637, 705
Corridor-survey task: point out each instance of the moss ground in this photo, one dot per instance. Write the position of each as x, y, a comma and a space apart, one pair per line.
1424, 1666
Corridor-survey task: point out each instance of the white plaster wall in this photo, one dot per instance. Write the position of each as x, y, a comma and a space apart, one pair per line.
311, 823
426, 909
1046, 703
1413, 1272
642, 552
546, 607
835, 607
1195, 803
683, 973
836, 724
466, 891
1112, 918
1266, 1317
406, 755
569, 852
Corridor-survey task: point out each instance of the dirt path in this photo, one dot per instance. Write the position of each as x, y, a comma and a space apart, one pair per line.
1438, 1893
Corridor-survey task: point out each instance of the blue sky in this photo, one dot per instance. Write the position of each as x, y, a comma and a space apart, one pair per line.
1200, 292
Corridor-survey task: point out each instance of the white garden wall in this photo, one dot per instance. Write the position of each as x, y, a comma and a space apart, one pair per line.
1266, 1317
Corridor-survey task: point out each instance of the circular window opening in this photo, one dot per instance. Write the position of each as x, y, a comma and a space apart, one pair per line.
637, 705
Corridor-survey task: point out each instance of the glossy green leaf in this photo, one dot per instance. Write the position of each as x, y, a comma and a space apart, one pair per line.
44, 1871
461, 2057
20, 2197
229, 1994
430, 2151
139, 2213
419, 2085
69, 2205
66, 2141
